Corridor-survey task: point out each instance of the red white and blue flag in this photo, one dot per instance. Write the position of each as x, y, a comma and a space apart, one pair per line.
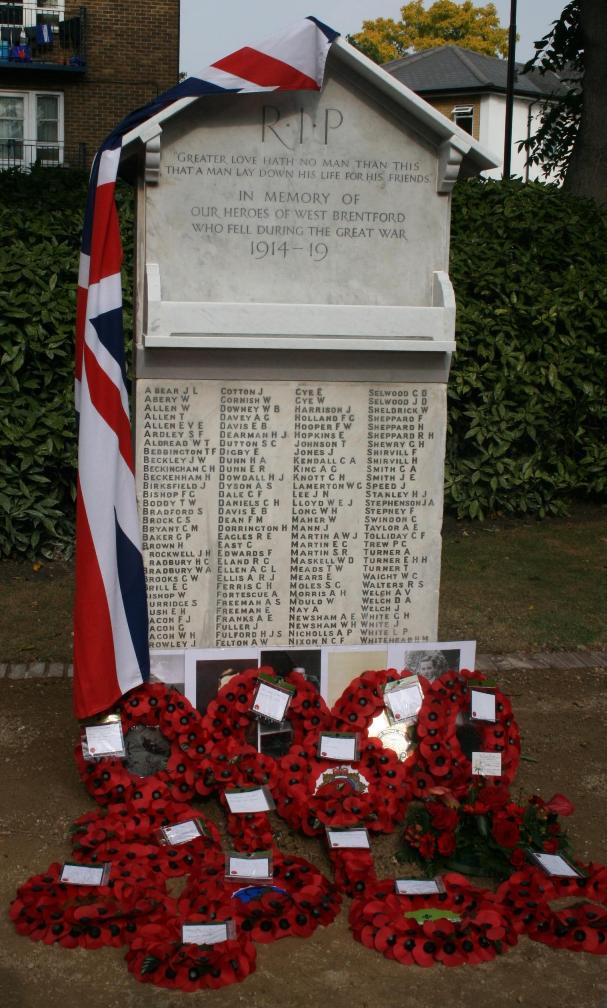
111, 651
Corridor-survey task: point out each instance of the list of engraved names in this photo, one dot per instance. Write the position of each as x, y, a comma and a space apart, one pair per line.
285, 512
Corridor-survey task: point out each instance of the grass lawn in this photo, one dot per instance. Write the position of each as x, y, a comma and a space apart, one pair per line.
516, 585
510, 585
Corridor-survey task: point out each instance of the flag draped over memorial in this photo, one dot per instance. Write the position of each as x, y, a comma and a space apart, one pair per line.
111, 653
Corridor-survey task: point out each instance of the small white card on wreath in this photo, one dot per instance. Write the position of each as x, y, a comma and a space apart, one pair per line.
348, 838
104, 739
418, 887
554, 865
404, 698
487, 764
272, 699
482, 705
207, 933
253, 799
181, 832
83, 874
339, 746
249, 866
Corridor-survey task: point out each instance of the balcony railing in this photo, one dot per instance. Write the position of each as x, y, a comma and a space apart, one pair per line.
24, 154
33, 36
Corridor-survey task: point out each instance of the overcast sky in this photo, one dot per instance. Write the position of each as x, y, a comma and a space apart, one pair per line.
211, 29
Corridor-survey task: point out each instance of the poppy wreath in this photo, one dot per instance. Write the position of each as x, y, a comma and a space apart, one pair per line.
108, 780
363, 699
353, 870
342, 801
294, 903
126, 824
158, 955
164, 860
439, 758
84, 916
229, 717
474, 927
582, 927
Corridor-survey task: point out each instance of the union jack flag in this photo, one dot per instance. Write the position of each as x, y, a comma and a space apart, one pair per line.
111, 653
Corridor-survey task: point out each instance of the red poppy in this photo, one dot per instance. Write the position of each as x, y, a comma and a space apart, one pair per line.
559, 804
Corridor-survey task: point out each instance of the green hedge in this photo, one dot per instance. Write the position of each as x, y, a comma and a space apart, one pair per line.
41, 224
527, 411
527, 404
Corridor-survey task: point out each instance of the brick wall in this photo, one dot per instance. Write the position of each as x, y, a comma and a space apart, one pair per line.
132, 54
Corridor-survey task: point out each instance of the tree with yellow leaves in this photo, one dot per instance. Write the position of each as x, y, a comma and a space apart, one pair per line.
443, 23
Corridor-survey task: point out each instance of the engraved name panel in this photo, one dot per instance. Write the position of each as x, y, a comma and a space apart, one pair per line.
286, 512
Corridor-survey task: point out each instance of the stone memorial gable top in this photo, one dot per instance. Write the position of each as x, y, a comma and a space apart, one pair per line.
299, 220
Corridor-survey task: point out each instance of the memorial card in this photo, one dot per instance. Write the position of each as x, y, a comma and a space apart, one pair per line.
82, 874
487, 764
104, 739
418, 887
254, 799
207, 933
555, 865
249, 866
347, 838
183, 832
271, 700
339, 746
404, 698
482, 705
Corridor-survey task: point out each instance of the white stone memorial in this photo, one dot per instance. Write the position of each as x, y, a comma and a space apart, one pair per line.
294, 330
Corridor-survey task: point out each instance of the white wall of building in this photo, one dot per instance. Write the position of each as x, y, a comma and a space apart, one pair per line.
491, 133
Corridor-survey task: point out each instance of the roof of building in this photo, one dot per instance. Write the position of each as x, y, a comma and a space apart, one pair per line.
451, 68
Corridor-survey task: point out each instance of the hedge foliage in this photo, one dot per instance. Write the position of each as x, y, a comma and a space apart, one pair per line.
527, 393
527, 410
41, 225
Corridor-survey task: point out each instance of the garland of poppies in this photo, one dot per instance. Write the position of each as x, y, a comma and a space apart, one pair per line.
229, 717
126, 824
296, 901
129, 835
158, 955
108, 780
371, 790
363, 699
465, 924
439, 759
527, 895
84, 916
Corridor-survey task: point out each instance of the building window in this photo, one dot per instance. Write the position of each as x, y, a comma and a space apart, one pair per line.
31, 128
31, 13
463, 116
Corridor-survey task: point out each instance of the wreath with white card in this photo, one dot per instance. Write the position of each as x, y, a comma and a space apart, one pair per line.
454, 749
579, 927
313, 793
461, 924
164, 746
230, 715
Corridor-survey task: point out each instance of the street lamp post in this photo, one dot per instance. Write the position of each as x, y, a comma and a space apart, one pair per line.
510, 90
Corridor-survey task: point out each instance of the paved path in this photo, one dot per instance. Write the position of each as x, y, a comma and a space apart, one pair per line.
518, 661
